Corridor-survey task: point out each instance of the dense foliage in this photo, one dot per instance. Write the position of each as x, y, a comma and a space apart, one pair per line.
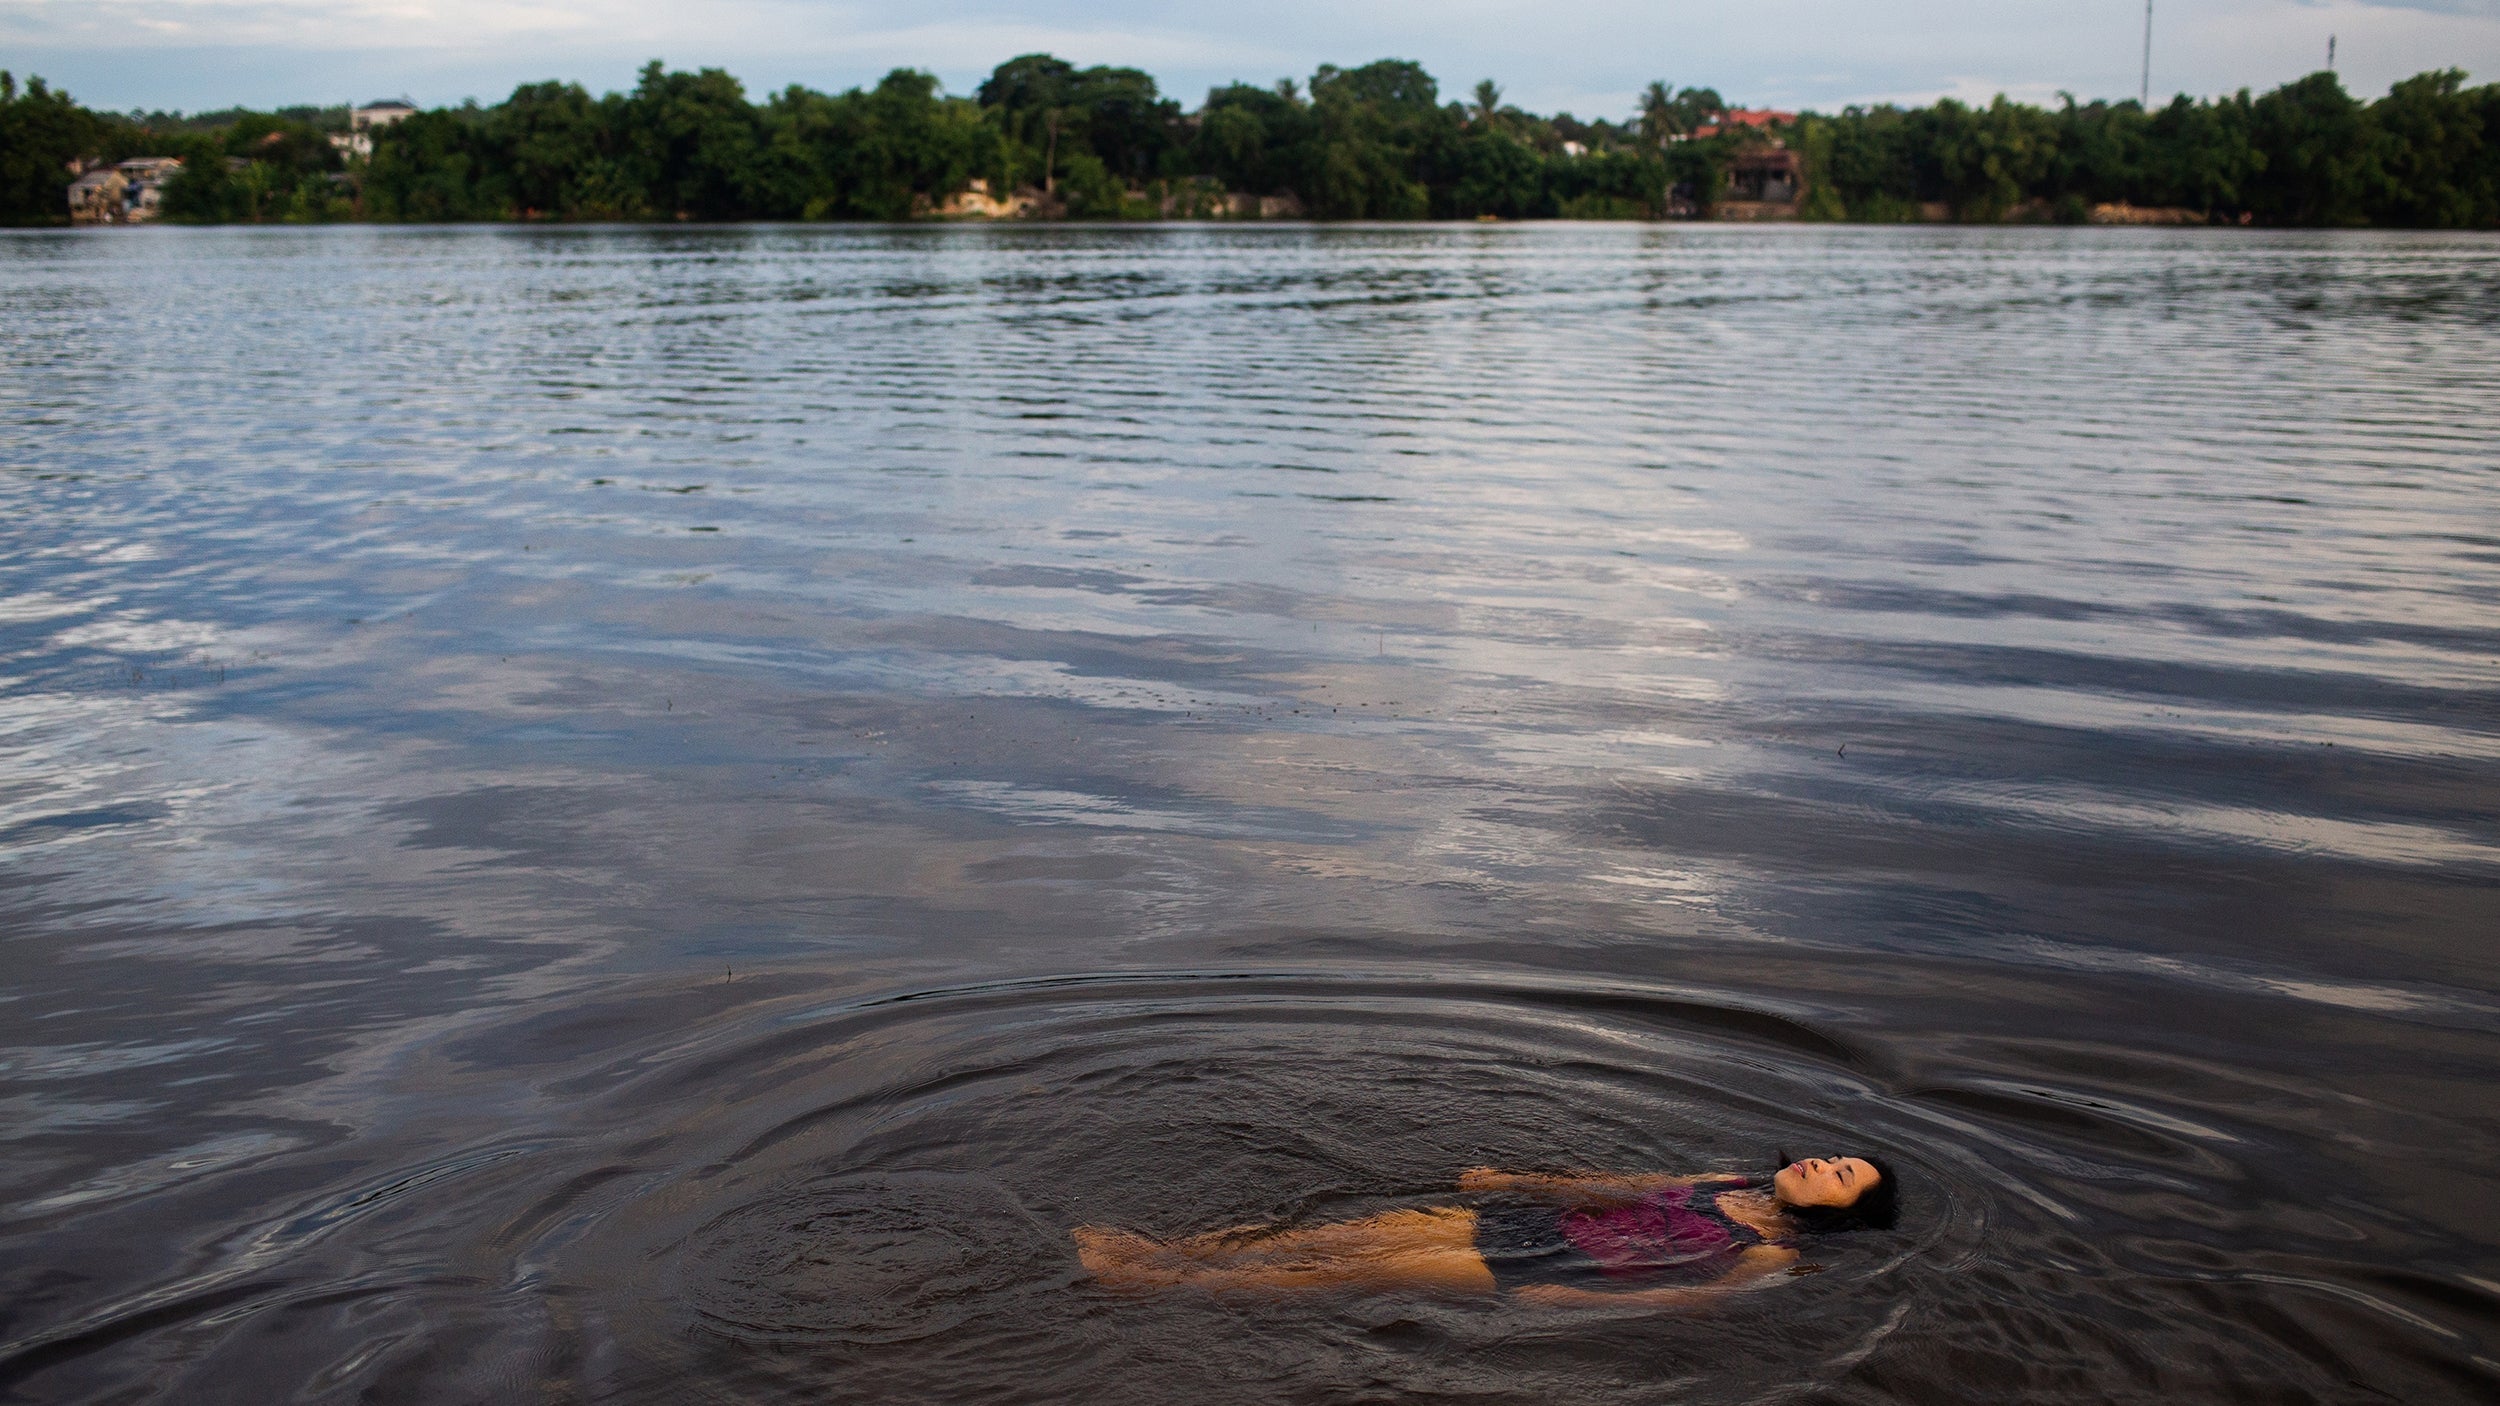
1375, 142
2308, 153
41, 132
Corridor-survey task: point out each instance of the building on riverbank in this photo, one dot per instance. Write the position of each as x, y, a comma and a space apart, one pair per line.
1759, 119
96, 198
1185, 199
126, 193
357, 140
1769, 175
380, 114
976, 202
2119, 212
1765, 180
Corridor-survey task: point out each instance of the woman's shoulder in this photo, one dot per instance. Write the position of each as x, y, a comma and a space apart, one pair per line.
1747, 1206
1696, 1191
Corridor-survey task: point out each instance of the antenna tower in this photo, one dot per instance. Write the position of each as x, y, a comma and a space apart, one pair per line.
2144, 93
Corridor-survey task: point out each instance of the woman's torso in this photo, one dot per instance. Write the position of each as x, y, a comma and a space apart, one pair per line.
1674, 1236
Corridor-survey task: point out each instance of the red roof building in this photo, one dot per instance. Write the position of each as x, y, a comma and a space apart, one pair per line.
1759, 118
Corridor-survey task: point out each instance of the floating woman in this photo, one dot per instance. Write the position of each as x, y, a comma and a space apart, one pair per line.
1623, 1240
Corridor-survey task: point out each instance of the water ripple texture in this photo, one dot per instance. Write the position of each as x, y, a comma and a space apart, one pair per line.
656, 814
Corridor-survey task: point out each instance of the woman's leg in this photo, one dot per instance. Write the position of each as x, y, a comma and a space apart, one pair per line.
1428, 1249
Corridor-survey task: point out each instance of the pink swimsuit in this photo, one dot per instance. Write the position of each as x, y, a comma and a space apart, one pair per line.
1677, 1236
1679, 1232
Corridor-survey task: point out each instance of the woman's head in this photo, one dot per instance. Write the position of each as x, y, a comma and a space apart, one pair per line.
1828, 1194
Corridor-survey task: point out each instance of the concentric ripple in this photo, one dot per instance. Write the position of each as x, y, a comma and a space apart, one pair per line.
887, 1185
863, 1259
870, 1198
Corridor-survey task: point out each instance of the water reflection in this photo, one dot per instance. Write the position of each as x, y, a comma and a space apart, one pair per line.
495, 720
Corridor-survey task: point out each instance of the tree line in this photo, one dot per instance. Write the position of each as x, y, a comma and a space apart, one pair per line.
1373, 142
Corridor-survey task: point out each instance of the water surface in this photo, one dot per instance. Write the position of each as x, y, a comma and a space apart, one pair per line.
651, 815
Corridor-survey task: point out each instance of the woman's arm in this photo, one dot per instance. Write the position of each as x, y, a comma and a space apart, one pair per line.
1575, 1187
1750, 1269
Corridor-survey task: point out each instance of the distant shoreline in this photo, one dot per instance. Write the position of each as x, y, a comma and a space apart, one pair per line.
1280, 225
1042, 140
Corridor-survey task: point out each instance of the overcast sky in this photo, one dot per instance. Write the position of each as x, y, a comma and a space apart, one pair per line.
1588, 57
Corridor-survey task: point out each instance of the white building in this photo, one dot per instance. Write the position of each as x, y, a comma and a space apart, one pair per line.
358, 139
381, 114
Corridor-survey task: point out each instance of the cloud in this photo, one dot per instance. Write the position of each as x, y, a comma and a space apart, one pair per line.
1591, 57
2488, 9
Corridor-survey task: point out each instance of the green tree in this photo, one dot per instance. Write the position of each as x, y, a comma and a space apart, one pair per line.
2097, 154
694, 142
41, 133
262, 167
1982, 162
1498, 175
1047, 108
1698, 170
1397, 87
887, 153
1124, 121
1378, 129
434, 167
1666, 114
1255, 139
2316, 161
1606, 185
1487, 106
557, 149
2432, 169
1657, 116
1867, 163
1029, 97
909, 145
1814, 140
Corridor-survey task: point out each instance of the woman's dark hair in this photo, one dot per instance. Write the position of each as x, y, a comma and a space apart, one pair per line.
1876, 1208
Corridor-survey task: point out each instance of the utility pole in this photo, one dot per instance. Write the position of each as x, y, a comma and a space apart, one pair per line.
2330, 53
2144, 94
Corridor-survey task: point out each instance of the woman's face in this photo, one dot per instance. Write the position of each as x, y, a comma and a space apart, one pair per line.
1824, 1181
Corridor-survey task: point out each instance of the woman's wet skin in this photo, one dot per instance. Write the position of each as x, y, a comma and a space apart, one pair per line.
1820, 1181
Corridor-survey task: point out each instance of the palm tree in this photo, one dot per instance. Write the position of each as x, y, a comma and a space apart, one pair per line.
1488, 101
1658, 119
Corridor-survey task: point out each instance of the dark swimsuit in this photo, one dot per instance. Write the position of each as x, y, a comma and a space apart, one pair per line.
1672, 1237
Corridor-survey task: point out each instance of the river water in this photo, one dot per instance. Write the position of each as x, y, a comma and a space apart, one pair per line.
654, 814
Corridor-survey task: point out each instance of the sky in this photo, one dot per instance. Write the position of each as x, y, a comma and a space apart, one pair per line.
1588, 58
